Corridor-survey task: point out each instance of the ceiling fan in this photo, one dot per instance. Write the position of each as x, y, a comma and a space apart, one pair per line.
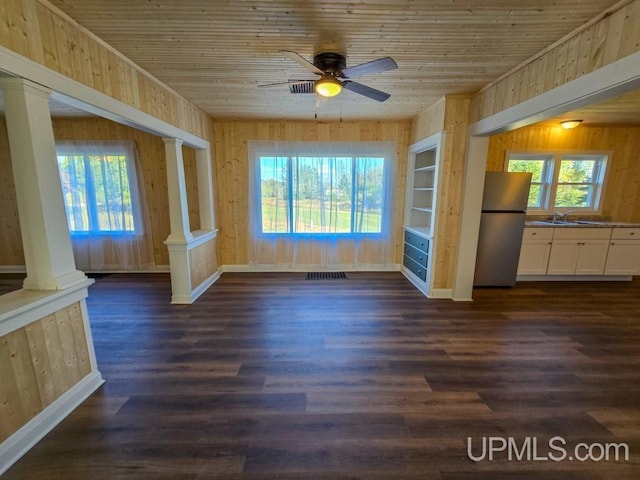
335, 75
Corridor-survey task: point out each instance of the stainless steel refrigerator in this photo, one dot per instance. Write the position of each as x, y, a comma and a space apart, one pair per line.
504, 206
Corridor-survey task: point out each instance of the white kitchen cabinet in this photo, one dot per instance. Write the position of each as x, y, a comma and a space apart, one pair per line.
579, 251
624, 252
534, 253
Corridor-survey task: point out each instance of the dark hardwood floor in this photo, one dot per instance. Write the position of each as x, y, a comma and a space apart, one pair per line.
270, 376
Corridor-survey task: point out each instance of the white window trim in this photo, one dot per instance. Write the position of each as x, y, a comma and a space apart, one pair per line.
385, 149
123, 147
551, 184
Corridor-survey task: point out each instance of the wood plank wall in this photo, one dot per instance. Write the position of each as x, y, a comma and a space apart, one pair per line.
611, 38
42, 33
10, 238
151, 155
57, 345
456, 122
230, 146
429, 121
202, 262
621, 201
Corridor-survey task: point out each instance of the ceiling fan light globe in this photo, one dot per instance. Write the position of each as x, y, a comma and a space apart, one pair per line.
328, 87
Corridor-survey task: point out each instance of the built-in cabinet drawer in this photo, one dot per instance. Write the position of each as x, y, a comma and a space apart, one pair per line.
419, 270
417, 241
625, 234
418, 256
537, 234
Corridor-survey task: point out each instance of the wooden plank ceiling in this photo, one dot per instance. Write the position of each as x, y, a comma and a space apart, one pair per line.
216, 53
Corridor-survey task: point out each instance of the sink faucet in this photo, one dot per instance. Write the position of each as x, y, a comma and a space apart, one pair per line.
560, 216
566, 214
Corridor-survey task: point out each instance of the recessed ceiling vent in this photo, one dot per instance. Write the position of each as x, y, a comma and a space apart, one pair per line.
302, 87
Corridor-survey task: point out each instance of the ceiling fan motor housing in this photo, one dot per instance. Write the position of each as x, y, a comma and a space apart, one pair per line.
328, 62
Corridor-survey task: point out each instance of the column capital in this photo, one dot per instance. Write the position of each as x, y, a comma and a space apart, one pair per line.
172, 141
19, 84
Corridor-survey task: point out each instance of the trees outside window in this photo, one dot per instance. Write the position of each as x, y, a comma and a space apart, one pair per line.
562, 180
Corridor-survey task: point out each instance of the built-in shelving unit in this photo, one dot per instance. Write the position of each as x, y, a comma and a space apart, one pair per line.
420, 204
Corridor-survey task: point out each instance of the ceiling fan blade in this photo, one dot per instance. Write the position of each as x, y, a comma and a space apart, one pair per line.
302, 61
372, 93
375, 66
288, 82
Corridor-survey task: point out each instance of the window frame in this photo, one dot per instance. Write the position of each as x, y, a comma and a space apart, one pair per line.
85, 150
326, 150
550, 177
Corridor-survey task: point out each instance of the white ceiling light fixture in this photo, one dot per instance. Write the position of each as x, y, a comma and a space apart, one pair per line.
328, 86
569, 124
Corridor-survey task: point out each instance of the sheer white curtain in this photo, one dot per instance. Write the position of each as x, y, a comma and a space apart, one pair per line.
104, 201
324, 205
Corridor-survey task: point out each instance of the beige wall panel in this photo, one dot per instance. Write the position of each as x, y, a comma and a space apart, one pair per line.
231, 170
202, 262
611, 38
10, 237
11, 414
80, 347
449, 206
429, 121
621, 201
54, 349
38, 363
191, 181
24, 374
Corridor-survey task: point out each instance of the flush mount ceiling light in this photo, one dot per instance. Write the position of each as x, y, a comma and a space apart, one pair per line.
328, 86
569, 124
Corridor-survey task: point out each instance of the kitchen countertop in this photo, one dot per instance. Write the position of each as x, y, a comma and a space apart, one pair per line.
580, 224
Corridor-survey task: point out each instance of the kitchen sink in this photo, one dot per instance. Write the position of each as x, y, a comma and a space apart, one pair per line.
555, 224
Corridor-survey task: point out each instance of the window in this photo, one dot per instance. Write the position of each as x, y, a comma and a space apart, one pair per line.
561, 180
322, 189
99, 187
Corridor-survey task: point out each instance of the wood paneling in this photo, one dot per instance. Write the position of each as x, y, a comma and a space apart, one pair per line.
456, 121
621, 201
202, 262
216, 54
191, 181
38, 363
40, 32
428, 121
611, 38
270, 376
10, 238
232, 175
